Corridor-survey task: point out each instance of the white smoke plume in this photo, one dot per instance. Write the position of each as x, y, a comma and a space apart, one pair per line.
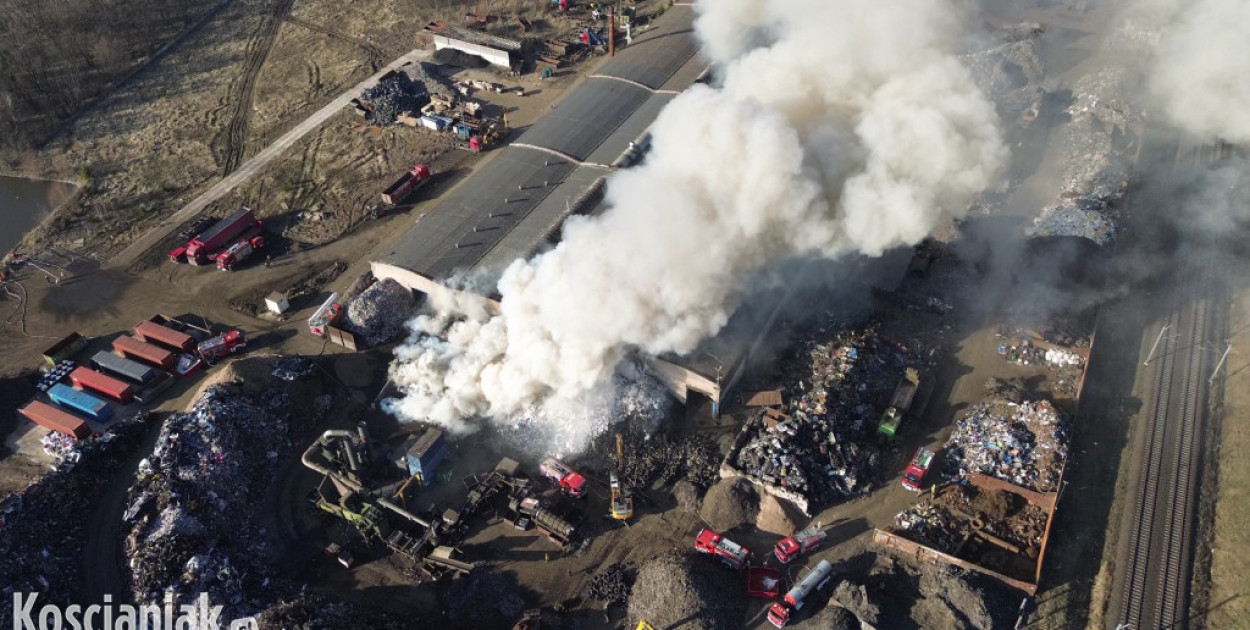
840, 126
1198, 75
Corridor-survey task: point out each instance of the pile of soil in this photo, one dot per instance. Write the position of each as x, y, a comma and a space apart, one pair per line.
831, 618
687, 592
485, 599
460, 59
729, 504
949, 601
777, 516
687, 496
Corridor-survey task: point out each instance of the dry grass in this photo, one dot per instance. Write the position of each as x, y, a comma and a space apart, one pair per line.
1230, 582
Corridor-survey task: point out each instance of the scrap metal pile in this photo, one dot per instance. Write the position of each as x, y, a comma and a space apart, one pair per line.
825, 448
191, 510
379, 313
945, 521
394, 96
1023, 443
43, 529
315, 612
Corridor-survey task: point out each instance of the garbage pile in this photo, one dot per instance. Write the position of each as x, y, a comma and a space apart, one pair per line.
729, 504
396, 95
1011, 71
1025, 353
1023, 443
61, 446
610, 585
694, 593
1092, 223
931, 595
191, 508
378, 314
292, 368
484, 598
315, 612
43, 529
825, 449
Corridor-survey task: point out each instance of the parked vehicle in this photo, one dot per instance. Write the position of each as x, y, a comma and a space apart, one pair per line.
730, 553
406, 185
900, 402
82, 402
918, 468
203, 248
223, 345
780, 612
560, 474
801, 543
237, 253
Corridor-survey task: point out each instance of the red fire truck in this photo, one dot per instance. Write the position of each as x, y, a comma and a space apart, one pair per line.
730, 553
803, 542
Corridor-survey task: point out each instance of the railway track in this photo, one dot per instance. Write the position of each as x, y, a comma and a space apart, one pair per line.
1158, 564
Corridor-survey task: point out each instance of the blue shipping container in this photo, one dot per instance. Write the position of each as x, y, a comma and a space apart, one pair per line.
82, 402
133, 370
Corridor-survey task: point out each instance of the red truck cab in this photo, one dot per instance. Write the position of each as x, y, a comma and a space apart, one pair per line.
563, 476
803, 542
918, 468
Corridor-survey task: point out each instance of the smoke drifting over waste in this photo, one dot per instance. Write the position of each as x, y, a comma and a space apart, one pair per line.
1198, 75
839, 127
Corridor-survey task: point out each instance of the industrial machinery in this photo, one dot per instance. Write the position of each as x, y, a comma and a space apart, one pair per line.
730, 553
779, 613
622, 498
560, 474
801, 543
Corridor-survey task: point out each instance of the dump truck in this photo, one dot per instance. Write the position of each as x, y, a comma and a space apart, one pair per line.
779, 613
132, 348
900, 402
238, 252
730, 553
801, 543
201, 249
66, 348
406, 185
560, 474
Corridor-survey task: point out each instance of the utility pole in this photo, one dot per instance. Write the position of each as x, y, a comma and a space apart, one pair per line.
1156, 346
1219, 365
612, 30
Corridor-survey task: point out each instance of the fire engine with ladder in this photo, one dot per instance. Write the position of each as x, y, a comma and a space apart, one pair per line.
801, 543
730, 553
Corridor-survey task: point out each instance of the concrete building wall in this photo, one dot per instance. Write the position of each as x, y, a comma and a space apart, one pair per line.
493, 55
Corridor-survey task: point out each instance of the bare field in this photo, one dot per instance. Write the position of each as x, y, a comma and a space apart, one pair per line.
224, 93
1229, 607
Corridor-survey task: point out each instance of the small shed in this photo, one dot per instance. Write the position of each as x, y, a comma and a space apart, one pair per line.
277, 303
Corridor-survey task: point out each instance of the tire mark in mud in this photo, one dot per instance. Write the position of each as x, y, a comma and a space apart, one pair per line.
258, 48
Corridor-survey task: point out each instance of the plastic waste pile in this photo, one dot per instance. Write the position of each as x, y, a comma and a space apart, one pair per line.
191, 509
825, 448
1022, 443
62, 447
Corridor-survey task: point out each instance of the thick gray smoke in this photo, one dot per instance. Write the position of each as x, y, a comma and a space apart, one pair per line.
840, 127
1199, 75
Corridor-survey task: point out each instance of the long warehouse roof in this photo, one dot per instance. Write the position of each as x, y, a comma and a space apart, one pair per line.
512, 205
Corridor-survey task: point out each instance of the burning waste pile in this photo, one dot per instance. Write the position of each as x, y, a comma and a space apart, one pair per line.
824, 449
1023, 443
835, 174
192, 508
1011, 71
943, 521
43, 529
380, 312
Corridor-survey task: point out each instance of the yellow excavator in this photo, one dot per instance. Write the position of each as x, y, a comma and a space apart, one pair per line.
622, 500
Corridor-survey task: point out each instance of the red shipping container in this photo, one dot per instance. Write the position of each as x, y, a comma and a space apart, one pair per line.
153, 332
86, 378
50, 417
133, 348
